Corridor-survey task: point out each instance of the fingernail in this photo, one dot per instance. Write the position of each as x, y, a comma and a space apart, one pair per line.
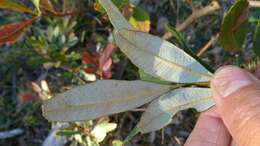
230, 79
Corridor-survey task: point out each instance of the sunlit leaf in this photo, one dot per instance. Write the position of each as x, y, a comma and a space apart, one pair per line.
11, 33
100, 98
160, 112
100, 131
14, 6
117, 143
37, 6
234, 26
160, 58
140, 19
256, 44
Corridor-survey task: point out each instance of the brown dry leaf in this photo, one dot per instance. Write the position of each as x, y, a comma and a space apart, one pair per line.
101, 98
46, 4
11, 33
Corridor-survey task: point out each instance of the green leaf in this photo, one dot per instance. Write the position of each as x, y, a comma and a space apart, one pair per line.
140, 19
160, 112
234, 26
67, 132
256, 43
14, 6
160, 58
101, 98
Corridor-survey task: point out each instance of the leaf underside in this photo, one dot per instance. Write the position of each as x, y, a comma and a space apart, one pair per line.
160, 58
160, 112
152, 54
101, 98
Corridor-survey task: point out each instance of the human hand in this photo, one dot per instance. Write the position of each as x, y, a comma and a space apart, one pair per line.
235, 120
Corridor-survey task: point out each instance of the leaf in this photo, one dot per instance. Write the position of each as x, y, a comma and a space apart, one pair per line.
160, 112
106, 56
14, 6
183, 45
37, 6
46, 4
118, 3
100, 98
100, 131
160, 58
116, 18
140, 19
117, 143
155, 56
256, 44
146, 77
234, 26
11, 33
179, 39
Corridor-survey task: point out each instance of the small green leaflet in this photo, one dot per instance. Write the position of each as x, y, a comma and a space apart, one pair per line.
234, 26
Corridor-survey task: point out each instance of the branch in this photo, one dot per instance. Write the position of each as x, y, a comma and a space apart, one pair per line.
197, 13
211, 42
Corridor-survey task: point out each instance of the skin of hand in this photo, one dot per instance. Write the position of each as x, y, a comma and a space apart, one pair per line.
235, 120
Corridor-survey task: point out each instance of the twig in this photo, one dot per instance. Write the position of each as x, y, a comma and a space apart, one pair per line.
197, 13
212, 41
254, 4
212, 7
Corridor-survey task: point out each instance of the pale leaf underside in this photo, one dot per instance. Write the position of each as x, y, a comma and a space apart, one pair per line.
160, 112
160, 58
101, 98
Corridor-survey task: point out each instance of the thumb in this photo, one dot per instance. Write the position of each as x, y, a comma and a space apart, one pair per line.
237, 96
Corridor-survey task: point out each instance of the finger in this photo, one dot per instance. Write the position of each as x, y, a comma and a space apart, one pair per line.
237, 96
209, 131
